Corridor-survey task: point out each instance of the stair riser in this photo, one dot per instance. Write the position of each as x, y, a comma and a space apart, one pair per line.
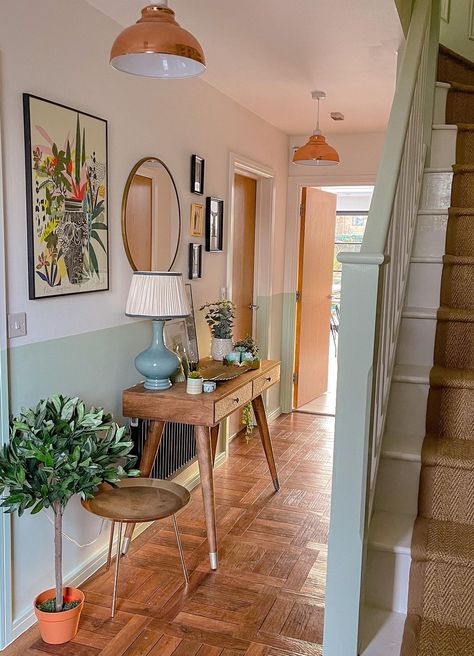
447, 494
448, 594
439, 113
424, 283
450, 413
457, 286
460, 230
406, 413
436, 190
443, 148
465, 147
430, 235
463, 189
455, 345
416, 341
386, 576
390, 494
460, 107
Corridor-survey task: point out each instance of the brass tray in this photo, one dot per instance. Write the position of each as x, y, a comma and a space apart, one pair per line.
221, 372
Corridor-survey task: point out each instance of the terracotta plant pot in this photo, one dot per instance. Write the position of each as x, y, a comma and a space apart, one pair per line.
57, 628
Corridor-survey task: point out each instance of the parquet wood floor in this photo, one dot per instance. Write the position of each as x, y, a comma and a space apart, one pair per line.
266, 599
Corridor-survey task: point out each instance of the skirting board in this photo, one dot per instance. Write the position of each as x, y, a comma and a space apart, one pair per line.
189, 478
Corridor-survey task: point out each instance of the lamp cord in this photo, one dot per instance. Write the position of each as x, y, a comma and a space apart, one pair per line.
68, 537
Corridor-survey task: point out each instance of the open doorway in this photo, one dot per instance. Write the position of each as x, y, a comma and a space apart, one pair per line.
333, 219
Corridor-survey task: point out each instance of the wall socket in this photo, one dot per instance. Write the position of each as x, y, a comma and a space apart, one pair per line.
17, 324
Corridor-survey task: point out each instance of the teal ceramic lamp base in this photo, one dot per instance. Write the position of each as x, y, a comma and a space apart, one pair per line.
157, 364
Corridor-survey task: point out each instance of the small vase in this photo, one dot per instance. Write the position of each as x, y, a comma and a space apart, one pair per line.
194, 386
220, 348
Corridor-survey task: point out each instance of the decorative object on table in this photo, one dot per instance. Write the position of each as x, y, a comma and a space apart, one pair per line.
196, 220
233, 356
195, 261
159, 296
138, 500
179, 375
247, 348
220, 319
193, 352
220, 371
197, 175
66, 183
151, 216
214, 224
209, 386
194, 383
176, 338
157, 46
316, 152
57, 450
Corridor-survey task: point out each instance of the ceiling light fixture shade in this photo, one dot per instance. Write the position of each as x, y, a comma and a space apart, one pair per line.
157, 46
316, 152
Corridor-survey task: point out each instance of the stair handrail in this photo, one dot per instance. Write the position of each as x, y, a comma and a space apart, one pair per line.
372, 296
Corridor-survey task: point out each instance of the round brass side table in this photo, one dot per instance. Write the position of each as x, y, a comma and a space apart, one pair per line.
137, 500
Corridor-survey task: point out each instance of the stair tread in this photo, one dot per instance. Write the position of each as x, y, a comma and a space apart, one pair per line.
436, 540
460, 260
391, 532
455, 314
463, 168
402, 446
411, 373
442, 452
444, 377
460, 86
381, 632
413, 312
445, 639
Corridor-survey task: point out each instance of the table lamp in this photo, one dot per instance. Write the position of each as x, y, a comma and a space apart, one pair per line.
159, 296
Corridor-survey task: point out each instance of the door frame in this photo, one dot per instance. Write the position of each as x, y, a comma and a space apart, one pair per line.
5, 520
264, 239
290, 285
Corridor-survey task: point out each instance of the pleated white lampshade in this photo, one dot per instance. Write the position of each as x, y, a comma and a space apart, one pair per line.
157, 295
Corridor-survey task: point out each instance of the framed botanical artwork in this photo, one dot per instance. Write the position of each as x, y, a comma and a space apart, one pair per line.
197, 175
177, 340
67, 195
196, 220
195, 261
191, 326
214, 224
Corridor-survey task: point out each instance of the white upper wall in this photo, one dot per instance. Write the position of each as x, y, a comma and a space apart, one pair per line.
63, 56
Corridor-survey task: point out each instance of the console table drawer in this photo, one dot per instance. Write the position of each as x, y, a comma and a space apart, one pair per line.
266, 380
235, 400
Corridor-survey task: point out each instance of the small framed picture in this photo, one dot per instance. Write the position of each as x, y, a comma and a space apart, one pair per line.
195, 261
197, 175
196, 220
214, 224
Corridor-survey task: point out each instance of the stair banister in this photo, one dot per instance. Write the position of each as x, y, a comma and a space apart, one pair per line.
372, 296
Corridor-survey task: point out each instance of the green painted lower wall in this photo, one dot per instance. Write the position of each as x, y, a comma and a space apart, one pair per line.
95, 366
287, 350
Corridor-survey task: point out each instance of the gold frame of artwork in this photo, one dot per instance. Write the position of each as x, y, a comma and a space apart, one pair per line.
196, 220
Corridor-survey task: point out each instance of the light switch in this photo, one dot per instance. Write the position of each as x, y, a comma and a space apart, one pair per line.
17, 324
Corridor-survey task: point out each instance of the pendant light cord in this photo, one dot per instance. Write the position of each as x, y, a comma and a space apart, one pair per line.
317, 127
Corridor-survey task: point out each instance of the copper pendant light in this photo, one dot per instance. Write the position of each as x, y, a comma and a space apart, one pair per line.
316, 152
157, 46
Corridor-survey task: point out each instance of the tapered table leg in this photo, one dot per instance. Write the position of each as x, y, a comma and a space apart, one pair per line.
152, 443
261, 417
204, 454
214, 441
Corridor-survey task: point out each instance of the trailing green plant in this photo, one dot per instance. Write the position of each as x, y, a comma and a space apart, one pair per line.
247, 420
247, 345
195, 375
57, 450
220, 318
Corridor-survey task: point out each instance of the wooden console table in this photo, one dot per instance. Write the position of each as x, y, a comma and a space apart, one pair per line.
205, 412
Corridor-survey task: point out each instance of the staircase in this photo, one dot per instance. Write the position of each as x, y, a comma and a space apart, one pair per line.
429, 541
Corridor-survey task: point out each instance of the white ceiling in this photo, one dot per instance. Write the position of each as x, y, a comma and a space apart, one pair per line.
268, 55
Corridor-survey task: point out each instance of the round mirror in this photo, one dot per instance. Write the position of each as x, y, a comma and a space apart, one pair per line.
151, 216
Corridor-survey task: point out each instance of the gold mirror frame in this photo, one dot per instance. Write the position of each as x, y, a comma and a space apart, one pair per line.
131, 175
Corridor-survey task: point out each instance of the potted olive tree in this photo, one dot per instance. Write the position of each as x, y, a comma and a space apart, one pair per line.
56, 450
220, 319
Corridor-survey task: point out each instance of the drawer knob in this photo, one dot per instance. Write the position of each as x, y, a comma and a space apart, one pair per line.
268, 379
236, 400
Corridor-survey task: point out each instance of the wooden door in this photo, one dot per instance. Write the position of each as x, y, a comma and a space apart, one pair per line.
243, 262
139, 221
313, 315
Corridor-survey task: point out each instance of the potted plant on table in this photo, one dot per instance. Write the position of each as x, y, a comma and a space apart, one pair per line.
194, 383
248, 350
56, 450
220, 319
